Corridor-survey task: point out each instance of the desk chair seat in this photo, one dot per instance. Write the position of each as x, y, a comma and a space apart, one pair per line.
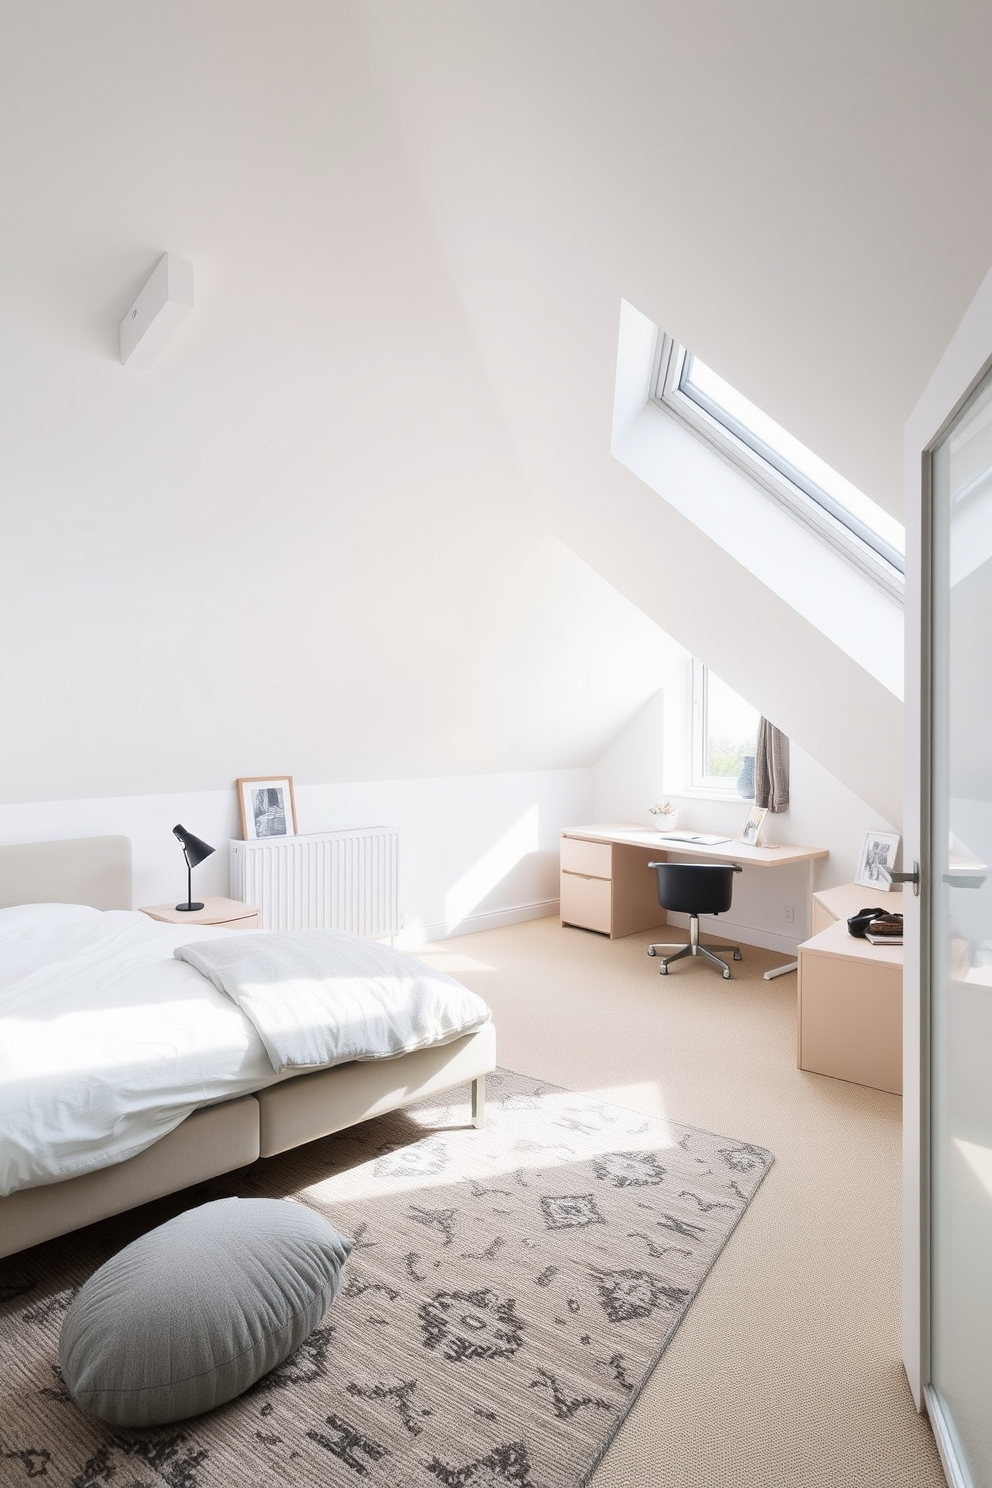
695, 889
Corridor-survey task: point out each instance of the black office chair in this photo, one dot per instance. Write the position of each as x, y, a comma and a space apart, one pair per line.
695, 889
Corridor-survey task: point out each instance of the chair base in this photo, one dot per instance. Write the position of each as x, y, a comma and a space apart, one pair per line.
694, 948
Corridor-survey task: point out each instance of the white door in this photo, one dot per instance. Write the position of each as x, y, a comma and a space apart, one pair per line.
948, 830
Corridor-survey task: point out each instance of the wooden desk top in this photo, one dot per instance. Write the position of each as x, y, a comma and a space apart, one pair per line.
729, 851
847, 899
837, 940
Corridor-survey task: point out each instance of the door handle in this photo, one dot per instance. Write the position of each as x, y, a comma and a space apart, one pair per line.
902, 878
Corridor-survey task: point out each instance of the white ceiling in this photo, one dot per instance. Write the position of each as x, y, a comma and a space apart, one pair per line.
348, 525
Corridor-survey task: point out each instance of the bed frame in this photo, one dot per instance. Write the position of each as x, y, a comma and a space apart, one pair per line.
229, 1134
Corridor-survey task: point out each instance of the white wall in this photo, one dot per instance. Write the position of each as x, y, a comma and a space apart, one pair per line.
648, 762
301, 542
475, 851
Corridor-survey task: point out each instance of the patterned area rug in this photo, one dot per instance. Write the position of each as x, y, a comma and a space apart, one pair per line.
509, 1292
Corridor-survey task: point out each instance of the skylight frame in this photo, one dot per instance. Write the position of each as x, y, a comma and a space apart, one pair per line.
806, 502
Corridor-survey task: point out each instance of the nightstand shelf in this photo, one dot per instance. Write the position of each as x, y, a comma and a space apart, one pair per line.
228, 912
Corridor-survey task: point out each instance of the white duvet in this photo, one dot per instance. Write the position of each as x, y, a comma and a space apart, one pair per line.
108, 1041
323, 997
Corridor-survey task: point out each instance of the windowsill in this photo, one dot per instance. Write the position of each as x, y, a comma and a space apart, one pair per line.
698, 793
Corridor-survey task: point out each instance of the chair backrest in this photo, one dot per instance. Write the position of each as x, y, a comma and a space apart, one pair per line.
695, 888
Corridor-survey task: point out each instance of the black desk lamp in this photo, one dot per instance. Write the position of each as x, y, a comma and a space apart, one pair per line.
194, 851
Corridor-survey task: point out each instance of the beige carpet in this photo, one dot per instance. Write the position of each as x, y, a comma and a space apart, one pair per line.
787, 1369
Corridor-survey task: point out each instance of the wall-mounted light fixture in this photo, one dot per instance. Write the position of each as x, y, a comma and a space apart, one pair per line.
158, 312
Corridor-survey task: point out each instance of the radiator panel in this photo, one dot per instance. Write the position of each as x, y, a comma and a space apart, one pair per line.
346, 880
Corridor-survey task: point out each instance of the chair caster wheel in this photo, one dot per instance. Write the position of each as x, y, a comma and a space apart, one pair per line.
650, 950
726, 975
663, 970
738, 956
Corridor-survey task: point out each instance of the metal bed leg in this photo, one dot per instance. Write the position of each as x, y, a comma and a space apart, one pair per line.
479, 1101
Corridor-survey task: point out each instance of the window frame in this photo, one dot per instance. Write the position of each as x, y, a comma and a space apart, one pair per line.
804, 501
699, 782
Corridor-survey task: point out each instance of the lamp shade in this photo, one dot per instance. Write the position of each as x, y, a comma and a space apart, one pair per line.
194, 847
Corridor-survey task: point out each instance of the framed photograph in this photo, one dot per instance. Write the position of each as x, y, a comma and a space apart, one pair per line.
268, 807
752, 825
877, 852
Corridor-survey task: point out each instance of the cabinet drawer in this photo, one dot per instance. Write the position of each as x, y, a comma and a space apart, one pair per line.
592, 858
586, 902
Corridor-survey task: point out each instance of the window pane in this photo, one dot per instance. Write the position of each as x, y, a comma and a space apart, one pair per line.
731, 730
697, 377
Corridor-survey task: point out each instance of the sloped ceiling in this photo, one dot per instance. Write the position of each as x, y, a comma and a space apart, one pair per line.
361, 519
796, 193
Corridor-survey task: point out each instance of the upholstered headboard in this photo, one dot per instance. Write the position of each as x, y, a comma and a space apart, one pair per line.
84, 870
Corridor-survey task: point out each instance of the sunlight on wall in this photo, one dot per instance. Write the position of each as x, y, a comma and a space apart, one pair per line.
492, 868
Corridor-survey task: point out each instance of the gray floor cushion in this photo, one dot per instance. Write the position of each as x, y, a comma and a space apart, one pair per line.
195, 1311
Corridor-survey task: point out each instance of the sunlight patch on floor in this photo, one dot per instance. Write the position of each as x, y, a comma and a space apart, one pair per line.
646, 1096
451, 961
554, 1130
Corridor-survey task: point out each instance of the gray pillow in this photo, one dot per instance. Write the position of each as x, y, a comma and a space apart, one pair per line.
195, 1311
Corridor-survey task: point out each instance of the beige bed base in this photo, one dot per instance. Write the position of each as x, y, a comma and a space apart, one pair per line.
218, 1138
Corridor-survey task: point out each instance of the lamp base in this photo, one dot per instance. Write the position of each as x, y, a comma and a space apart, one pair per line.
189, 906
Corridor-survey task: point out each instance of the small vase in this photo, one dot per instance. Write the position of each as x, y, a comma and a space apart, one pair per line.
745, 780
664, 821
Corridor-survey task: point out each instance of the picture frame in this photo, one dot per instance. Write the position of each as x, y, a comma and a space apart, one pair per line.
877, 851
268, 806
752, 825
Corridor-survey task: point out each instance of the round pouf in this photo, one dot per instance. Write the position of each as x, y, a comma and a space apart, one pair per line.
197, 1310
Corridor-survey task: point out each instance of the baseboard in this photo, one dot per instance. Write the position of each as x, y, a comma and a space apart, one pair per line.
488, 920
747, 935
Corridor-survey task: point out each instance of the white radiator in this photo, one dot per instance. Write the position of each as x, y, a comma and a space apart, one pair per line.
346, 880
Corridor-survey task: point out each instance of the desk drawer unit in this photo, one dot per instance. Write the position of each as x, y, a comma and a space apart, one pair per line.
607, 886
591, 859
587, 902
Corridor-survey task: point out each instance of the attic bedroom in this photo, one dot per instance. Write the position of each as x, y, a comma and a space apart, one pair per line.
394, 518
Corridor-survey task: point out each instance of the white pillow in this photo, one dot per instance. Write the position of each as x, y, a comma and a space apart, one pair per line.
21, 917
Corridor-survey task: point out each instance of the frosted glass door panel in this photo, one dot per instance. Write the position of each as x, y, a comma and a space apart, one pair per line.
961, 923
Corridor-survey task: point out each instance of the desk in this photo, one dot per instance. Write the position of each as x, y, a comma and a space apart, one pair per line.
605, 885
840, 903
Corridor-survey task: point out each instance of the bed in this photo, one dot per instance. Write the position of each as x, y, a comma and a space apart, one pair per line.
279, 1110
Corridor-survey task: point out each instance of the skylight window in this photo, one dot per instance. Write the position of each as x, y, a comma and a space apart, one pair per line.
785, 468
